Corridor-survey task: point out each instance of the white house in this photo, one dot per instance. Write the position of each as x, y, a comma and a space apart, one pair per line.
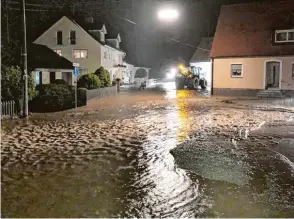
85, 44
201, 60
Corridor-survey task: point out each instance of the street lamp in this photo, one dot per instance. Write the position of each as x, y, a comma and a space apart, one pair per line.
168, 14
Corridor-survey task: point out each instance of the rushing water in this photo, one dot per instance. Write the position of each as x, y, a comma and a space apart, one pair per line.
85, 167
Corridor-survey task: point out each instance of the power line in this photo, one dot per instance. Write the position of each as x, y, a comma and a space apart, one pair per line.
172, 39
27, 9
100, 3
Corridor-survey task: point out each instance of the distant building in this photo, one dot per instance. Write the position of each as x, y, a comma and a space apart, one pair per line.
86, 43
253, 49
201, 60
141, 75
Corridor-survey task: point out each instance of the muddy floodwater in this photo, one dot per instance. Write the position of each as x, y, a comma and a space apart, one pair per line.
157, 153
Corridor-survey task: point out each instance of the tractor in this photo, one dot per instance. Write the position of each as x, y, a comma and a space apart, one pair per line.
189, 77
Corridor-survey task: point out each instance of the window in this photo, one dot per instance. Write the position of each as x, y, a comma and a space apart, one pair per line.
59, 37
105, 54
236, 71
37, 78
284, 36
72, 37
58, 51
80, 53
293, 70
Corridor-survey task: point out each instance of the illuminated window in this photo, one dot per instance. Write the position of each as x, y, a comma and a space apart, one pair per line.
80, 53
292, 70
236, 71
72, 37
58, 51
284, 36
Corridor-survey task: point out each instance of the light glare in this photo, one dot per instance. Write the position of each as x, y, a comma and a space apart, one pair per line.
168, 14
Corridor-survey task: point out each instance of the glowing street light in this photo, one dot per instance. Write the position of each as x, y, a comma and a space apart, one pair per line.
168, 14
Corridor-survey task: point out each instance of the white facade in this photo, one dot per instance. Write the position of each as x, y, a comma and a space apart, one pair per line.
112, 60
129, 73
89, 53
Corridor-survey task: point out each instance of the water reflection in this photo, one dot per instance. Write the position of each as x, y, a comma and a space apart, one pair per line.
168, 189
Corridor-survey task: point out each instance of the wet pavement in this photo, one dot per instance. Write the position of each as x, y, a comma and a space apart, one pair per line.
153, 153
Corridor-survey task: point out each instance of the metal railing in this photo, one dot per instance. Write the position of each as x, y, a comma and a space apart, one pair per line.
9, 109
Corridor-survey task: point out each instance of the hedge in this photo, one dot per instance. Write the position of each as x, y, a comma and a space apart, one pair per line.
52, 98
89, 81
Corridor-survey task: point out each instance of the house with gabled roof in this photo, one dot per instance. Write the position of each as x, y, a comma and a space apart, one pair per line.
85, 43
253, 49
201, 60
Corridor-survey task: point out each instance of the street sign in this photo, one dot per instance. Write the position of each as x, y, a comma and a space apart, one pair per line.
76, 71
76, 64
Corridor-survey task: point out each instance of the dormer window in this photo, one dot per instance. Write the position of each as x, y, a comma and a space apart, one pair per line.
284, 36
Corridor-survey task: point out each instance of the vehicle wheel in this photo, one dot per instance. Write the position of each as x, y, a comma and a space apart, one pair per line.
203, 83
194, 83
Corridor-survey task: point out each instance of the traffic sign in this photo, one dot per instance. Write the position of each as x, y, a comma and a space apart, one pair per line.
76, 71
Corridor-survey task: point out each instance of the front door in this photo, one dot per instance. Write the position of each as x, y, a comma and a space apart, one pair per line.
52, 77
272, 75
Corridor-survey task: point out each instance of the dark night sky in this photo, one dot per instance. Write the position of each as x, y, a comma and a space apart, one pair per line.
146, 43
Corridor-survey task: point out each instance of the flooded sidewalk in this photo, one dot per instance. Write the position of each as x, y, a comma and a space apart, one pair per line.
156, 154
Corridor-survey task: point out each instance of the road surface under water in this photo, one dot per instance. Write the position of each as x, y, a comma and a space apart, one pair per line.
176, 154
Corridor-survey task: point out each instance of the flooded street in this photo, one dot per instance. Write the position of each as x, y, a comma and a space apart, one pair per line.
153, 153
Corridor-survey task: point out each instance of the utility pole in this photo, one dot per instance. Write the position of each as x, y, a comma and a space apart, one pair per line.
24, 61
7, 20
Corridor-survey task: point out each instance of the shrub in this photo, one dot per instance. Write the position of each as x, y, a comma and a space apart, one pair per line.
82, 96
104, 76
59, 81
52, 98
89, 81
11, 84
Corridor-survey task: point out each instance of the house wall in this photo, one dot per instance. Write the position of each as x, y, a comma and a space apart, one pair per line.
58, 75
113, 58
129, 73
253, 79
205, 70
83, 41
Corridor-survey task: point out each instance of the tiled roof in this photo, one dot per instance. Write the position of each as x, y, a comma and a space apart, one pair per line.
248, 29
